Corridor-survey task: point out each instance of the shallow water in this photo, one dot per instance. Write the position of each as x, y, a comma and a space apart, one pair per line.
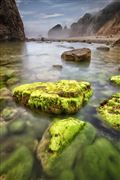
33, 61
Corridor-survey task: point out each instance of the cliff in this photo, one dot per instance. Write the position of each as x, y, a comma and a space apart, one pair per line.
11, 26
104, 22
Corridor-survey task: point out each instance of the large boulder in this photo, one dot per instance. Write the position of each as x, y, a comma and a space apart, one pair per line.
65, 96
11, 26
59, 144
72, 149
109, 111
77, 55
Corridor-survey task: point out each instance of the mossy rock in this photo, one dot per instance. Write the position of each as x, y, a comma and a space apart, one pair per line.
12, 81
5, 98
9, 113
17, 126
3, 130
18, 165
60, 144
115, 79
100, 160
109, 111
65, 96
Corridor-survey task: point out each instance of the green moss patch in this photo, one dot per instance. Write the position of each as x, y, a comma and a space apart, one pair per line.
18, 165
65, 96
115, 79
109, 110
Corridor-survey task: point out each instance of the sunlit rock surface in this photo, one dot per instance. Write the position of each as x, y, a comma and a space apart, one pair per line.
78, 55
65, 96
109, 111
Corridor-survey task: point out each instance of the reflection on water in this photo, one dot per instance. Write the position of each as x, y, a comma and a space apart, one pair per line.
31, 62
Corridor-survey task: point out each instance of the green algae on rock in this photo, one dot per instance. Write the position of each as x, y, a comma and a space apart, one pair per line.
62, 133
109, 110
100, 160
65, 96
61, 142
18, 165
115, 79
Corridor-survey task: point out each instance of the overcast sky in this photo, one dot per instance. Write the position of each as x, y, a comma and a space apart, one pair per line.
40, 15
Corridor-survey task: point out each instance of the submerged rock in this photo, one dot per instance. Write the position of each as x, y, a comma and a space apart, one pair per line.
103, 48
18, 165
17, 126
58, 139
115, 79
100, 160
109, 111
65, 96
77, 55
9, 113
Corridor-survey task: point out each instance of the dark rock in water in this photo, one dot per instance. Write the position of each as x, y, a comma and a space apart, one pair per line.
116, 43
77, 55
57, 66
109, 111
103, 48
11, 26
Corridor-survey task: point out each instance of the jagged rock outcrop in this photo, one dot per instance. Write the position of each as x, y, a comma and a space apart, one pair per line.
11, 26
58, 32
104, 22
55, 31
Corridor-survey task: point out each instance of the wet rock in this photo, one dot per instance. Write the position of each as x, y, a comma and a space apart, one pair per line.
115, 79
116, 43
18, 165
77, 55
103, 48
9, 113
11, 26
65, 96
3, 130
5, 98
60, 143
57, 66
94, 158
109, 111
12, 81
17, 126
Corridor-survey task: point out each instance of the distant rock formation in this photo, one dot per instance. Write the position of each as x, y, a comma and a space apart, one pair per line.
58, 32
104, 22
11, 26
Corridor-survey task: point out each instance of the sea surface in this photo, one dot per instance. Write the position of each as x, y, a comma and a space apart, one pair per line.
33, 62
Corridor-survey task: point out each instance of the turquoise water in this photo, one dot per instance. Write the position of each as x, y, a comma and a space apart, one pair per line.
33, 62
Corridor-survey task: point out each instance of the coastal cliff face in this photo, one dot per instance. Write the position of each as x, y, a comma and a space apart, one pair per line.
11, 26
104, 22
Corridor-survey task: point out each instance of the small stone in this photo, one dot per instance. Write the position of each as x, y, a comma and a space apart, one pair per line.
9, 113
103, 48
17, 126
115, 79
